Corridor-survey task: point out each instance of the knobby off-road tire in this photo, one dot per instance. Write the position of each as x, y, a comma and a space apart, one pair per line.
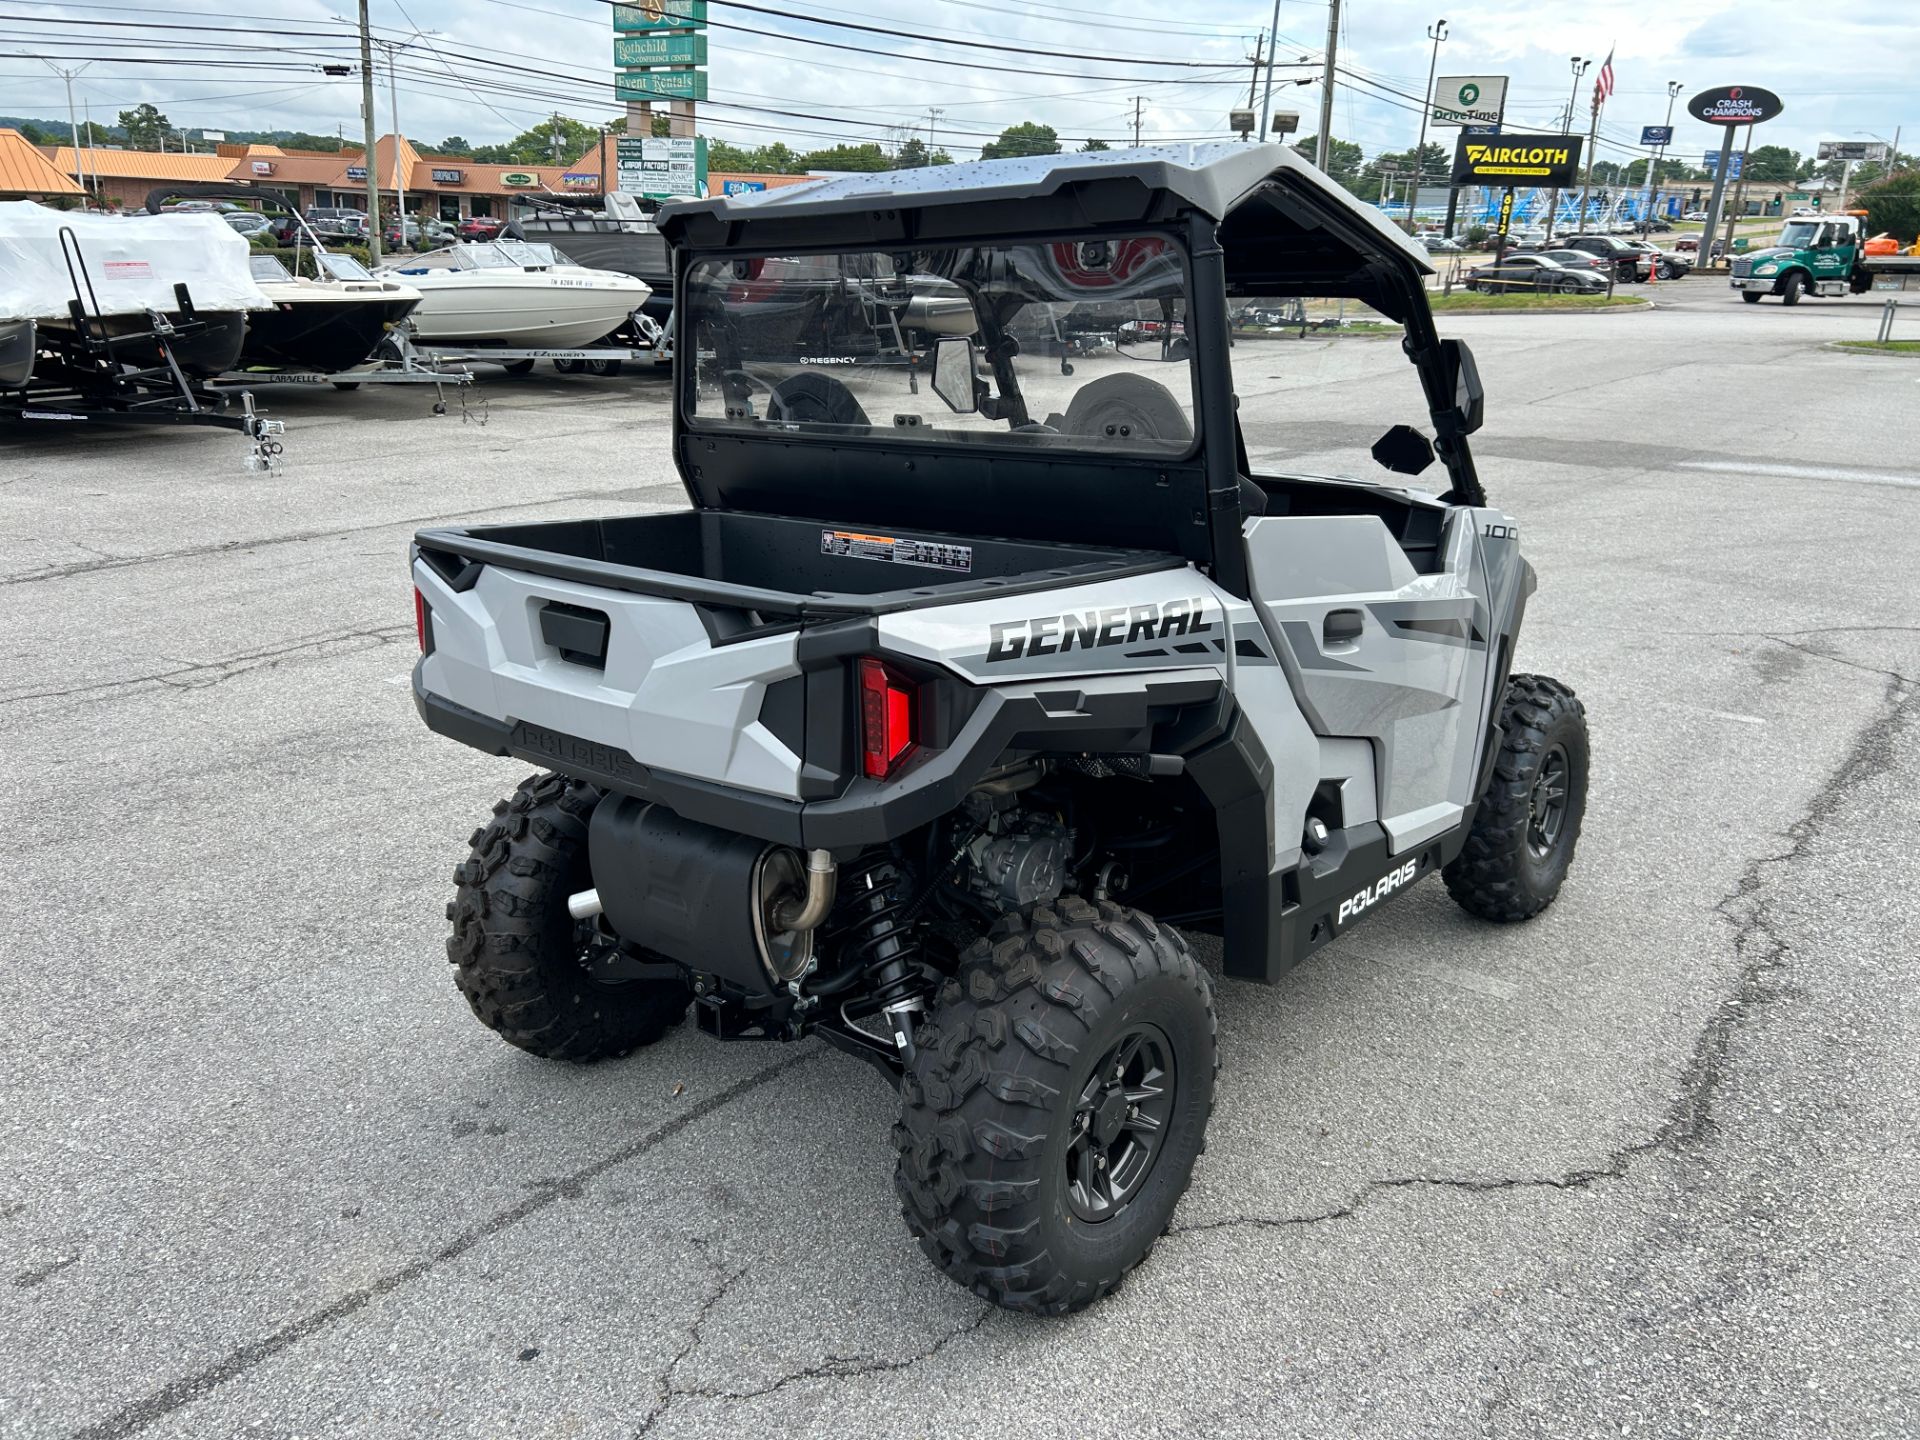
1528, 823
520, 958
997, 1140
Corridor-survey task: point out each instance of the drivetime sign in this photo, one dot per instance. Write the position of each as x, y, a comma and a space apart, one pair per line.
1516, 160
1469, 99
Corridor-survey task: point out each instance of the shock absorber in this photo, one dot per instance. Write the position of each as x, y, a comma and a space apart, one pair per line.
873, 936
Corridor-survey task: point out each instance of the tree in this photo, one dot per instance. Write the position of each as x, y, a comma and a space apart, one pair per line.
1893, 206
1094, 145
869, 157
1026, 138
552, 142
1771, 165
34, 135
454, 145
912, 155
1344, 158
146, 127
940, 157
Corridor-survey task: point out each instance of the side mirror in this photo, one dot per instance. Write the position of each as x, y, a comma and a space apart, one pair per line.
1469, 397
954, 361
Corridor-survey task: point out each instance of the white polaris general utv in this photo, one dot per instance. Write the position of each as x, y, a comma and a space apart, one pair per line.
985, 667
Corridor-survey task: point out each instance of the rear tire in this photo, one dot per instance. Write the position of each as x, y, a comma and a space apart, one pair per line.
1030, 1172
522, 959
1527, 825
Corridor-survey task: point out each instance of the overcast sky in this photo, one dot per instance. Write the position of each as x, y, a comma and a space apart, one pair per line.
1843, 72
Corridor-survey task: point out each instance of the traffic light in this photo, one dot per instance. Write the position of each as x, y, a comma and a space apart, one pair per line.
1816, 202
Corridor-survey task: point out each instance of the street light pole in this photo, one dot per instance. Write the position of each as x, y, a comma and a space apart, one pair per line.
1436, 32
1580, 68
73, 124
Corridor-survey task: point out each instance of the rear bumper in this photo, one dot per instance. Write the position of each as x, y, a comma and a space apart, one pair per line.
1120, 715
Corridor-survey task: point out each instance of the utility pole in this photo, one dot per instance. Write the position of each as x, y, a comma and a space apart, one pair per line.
934, 112
366, 116
1326, 84
1254, 84
1273, 54
1436, 32
1654, 161
1580, 68
1138, 100
399, 181
73, 124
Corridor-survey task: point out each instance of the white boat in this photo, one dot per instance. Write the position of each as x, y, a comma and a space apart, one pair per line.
514, 295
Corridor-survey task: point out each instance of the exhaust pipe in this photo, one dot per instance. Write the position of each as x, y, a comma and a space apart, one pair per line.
822, 880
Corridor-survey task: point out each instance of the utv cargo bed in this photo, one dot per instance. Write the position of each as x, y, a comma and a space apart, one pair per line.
777, 567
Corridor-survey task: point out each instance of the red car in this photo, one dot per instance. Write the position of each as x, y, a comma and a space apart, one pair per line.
480, 227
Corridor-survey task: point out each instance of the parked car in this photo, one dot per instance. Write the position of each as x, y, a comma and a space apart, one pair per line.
1665, 266
284, 230
335, 219
480, 227
1572, 259
1534, 272
1628, 263
249, 222
1695, 215
1442, 245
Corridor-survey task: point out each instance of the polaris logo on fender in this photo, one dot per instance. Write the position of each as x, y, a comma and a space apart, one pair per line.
1086, 630
1376, 892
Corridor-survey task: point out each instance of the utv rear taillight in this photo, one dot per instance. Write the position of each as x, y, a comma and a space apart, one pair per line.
887, 718
420, 613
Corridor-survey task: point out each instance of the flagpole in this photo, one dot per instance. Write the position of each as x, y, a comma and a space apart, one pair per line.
1593, 131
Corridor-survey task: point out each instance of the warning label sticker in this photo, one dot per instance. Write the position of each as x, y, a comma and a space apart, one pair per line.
128, 270
898, 549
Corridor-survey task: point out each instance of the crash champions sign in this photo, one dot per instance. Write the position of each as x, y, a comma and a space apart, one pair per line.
1516, 160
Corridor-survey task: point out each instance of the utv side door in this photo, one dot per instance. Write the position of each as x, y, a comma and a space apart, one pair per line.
1398, 653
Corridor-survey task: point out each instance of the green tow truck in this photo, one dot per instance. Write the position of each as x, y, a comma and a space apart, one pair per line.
1821, 255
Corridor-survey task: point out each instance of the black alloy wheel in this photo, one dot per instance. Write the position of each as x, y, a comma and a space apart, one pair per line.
1547, 804
1122, 1112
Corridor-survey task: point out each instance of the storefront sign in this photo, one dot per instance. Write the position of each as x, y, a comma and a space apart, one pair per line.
660, 15
356, 172
263, 167
1469, 99
1734, 105
1517, 160
742, 187
519, 178
662, 168
663, 49
447, 177
660, 85
581, 180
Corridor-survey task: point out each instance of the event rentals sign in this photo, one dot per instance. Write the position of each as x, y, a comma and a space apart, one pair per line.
644, 85
1469, 99
1517, 160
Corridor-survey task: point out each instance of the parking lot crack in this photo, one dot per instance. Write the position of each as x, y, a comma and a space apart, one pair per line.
1760, 951
1830, 657
202, 675
138, 1416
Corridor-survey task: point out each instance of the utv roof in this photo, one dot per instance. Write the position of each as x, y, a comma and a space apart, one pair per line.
1286, 227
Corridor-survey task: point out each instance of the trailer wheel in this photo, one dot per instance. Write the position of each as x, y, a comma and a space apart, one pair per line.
346, 384
567, 367
1527, 825
529, 970
1790, 288
603, 367
1055, 1104
518, 367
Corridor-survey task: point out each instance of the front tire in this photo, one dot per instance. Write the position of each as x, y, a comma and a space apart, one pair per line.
1752, 297
1527, 825
522, 961
1790, 288
1056, 1103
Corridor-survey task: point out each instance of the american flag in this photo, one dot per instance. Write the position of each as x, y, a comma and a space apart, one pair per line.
1603, 87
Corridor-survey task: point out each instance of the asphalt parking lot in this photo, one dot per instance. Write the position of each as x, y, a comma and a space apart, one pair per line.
1645, 1166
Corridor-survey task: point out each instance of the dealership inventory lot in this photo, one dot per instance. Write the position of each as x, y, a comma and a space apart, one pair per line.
1646, 1164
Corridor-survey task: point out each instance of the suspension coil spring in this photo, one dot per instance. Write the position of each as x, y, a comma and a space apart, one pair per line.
871, 931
